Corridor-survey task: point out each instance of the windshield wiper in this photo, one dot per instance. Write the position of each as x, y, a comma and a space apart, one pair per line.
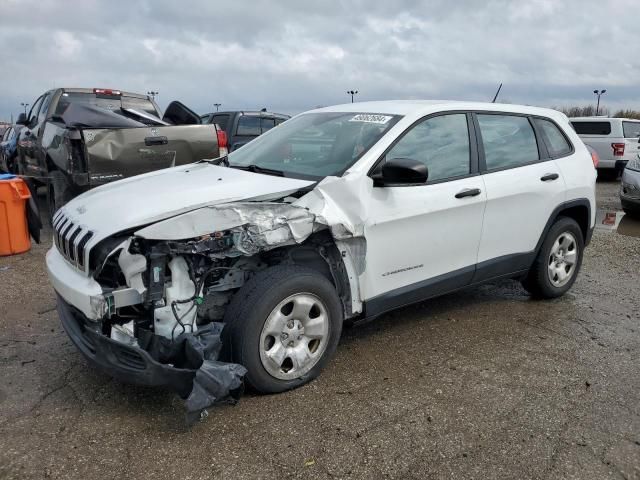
223, 160
258, 169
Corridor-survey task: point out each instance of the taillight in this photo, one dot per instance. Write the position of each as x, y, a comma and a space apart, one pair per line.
106, 91
618, 149
595, 159
222, 142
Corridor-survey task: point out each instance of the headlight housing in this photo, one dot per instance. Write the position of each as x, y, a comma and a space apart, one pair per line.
634, 164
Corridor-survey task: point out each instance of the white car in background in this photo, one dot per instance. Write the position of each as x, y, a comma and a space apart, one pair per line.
341, 213
614, 139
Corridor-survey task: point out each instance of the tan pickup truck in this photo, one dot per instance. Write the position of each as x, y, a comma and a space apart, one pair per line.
75, 139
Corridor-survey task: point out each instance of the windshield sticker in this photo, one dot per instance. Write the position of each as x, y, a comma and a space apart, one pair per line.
368, 118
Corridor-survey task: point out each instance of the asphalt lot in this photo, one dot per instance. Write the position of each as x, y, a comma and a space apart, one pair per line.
485, 383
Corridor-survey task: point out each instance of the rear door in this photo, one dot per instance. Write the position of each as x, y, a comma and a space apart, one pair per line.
523, 186
117, 153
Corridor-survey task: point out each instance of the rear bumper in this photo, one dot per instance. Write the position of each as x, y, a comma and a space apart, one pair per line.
610, 163
126, 363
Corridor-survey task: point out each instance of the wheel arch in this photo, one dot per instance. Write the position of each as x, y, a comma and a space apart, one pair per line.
578, 210
321, 253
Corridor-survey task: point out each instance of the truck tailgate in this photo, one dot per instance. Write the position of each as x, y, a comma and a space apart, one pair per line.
114, 153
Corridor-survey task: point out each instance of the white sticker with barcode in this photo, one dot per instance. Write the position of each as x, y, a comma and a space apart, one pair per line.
369, 118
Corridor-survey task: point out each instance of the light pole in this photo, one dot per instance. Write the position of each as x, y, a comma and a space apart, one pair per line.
352, 93
217, 105
25, 105
153, 94
599, 94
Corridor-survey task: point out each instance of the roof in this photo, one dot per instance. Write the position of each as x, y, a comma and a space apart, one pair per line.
423, 107
90, 90
249, 112
600, 119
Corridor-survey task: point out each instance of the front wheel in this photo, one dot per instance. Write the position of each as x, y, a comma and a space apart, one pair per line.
283, 326
558, 262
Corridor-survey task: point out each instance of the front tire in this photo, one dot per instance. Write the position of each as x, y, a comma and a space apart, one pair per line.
283, 326
558, 262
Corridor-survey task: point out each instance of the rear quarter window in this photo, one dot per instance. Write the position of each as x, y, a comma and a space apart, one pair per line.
592, 128
556, 142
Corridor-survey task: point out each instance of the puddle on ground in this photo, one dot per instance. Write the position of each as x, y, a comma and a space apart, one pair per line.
615, 221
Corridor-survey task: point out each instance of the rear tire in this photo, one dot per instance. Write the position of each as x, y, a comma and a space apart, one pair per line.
558, 262
283, 326
58, 191
632, 213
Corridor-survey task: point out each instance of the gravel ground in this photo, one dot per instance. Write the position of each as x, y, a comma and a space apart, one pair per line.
484, 383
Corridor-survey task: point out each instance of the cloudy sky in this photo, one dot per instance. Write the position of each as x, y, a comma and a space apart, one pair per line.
291, 55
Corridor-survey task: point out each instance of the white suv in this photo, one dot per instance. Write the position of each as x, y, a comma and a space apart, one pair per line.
339, 214
615, 140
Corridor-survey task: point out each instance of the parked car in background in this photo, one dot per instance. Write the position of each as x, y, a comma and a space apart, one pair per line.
242, 127
341, 213
630, 188
8, 149
75, 139
615, 139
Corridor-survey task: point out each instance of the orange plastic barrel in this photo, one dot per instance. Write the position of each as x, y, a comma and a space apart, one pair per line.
14, 232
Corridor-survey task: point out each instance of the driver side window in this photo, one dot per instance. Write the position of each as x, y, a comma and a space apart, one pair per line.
441, 143
33, 113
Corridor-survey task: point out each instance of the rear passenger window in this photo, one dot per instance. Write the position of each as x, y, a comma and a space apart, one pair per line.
441, 143
249, 125
592, 128
557, 143
508, 141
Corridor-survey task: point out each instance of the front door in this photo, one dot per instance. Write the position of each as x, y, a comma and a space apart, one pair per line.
423, 240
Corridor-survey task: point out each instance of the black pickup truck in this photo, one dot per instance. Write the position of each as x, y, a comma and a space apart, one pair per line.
243, 126
75, 139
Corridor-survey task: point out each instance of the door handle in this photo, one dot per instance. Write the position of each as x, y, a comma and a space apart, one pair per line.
549, 176
468, 192
150, 141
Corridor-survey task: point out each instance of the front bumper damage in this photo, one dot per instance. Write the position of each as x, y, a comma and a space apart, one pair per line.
151, 311
187, 365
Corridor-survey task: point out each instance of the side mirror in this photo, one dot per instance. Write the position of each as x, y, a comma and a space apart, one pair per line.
400, 171
22, 119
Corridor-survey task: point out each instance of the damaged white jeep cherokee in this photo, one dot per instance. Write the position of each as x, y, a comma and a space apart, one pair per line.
339, 214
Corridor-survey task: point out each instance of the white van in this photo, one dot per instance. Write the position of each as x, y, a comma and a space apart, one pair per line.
614, 139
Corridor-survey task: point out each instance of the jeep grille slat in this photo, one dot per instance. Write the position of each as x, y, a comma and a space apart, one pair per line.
71, 240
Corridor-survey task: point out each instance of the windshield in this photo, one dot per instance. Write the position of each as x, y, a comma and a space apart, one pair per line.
315, 145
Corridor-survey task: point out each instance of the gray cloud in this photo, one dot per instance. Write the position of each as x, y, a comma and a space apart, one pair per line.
291, 55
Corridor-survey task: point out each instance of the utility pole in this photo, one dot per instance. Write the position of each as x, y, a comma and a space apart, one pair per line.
153, 94
352, 93
599, 94
217, 105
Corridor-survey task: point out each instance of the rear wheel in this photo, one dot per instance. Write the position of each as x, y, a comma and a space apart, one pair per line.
283, 326
558, 262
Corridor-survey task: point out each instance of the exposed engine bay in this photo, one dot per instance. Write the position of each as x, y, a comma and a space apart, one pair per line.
165, 286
